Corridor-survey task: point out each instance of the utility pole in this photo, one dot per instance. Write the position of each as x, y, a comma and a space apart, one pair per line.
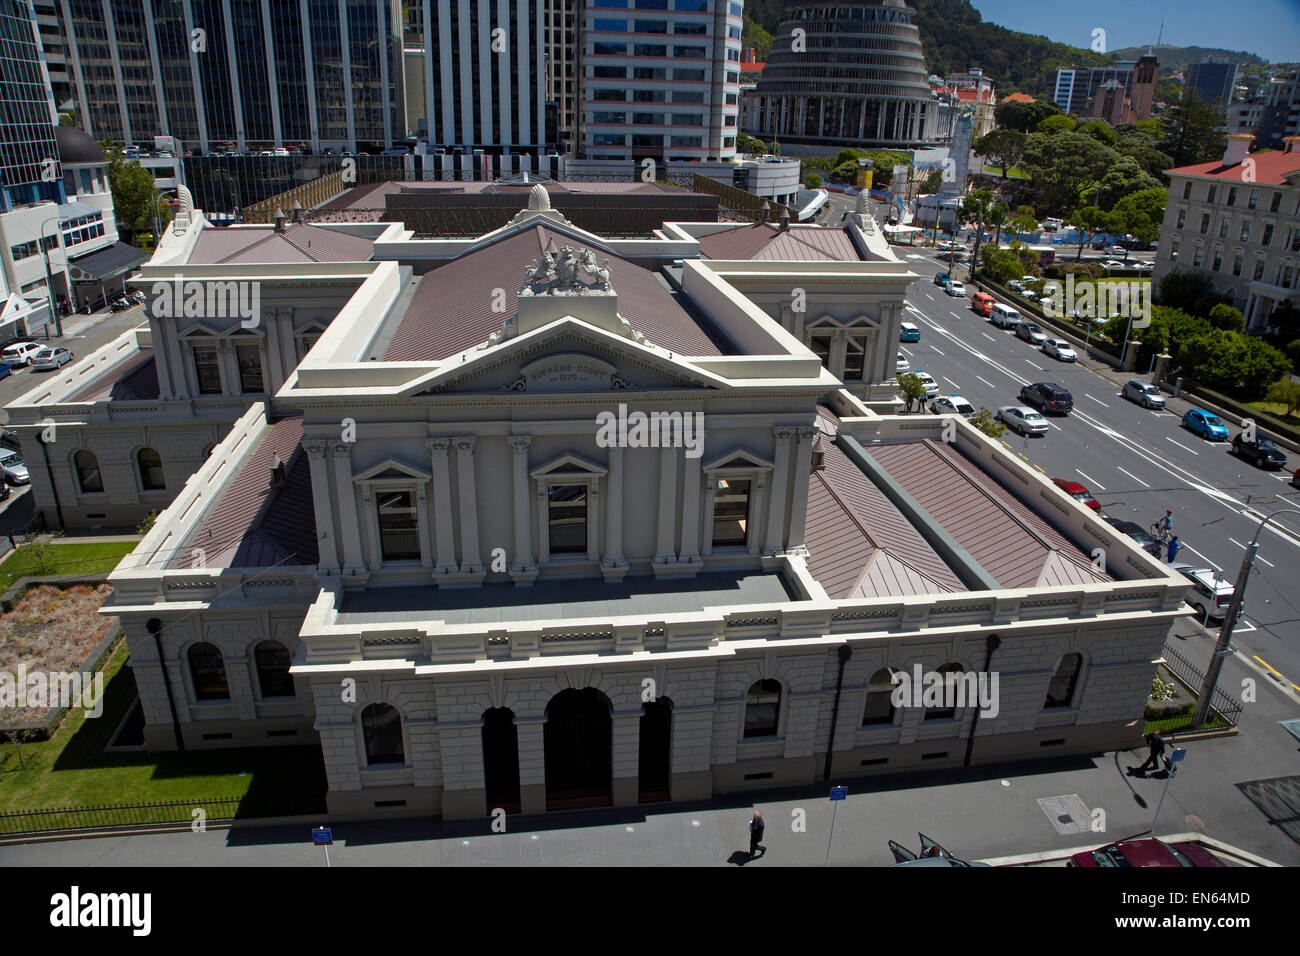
1222, 646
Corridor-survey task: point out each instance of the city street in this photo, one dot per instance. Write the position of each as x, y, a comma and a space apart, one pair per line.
1137, 462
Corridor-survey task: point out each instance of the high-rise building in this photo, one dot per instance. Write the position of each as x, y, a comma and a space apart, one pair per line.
29, 156
50, 29
1119, 103
1213, 82
1272, 114
563, 70
659, 82
845, 72
1073, 87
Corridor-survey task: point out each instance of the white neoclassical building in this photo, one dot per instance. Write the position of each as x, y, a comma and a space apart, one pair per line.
543, 520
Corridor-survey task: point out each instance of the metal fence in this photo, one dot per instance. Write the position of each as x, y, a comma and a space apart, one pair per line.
65, 819
1223, 712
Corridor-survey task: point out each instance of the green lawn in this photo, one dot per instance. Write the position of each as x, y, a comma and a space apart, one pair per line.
1014, 173
73, 769
64, 559
1278, 411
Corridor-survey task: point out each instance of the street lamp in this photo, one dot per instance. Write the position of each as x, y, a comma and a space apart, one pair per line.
156, 201
49, 281
1229, 622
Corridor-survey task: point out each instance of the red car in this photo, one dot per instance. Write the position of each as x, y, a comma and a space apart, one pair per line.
1148, 852
1295, 479
1078, 493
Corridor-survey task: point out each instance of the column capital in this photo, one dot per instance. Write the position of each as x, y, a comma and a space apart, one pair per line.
316, 449
807, 432
342, 449
784, 433
465, 444
438, 446
519, 443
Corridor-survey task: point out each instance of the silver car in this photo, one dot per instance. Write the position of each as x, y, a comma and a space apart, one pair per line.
1210, 593
1144, 393
1022, 420
1059, 349
902, 365
1031, 333
13, 468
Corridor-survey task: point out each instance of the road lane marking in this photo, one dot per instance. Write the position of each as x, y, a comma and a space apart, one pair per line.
1134, 477
936, 349
987, 336
1091, 480
1238, 543
951, 382
906, 351
1266, 561
1280, 675
986, 382
954, 314
1039, 367
1181, 445
1097, 400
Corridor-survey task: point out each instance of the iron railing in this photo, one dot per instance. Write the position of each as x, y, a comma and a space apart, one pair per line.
163, 813
1223, 712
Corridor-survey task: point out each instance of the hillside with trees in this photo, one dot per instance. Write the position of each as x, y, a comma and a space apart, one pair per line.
1176, 59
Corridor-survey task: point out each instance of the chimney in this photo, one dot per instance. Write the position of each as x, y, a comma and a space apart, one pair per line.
1292, 144
277, 473
297, 211
1238, 148
785, 219
765, 212
279, 220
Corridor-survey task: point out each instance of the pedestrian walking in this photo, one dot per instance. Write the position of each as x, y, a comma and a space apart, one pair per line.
1173, 548
756, 827
1157, 745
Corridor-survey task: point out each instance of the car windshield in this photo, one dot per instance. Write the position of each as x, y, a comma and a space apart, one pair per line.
1266, 445
1033, 328
1032, 416
10, 458
1109, 856
1081, 496
44, 353
1213, 421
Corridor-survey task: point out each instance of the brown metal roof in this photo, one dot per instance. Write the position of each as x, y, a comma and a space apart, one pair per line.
451, 310
860, 545
765, 241
300, 242
1003, 534
135, 380
372, 196
254, 525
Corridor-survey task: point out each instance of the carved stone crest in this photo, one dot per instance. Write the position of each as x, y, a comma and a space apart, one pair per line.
560, 275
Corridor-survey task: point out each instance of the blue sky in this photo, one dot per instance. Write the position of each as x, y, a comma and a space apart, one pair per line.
1269, 28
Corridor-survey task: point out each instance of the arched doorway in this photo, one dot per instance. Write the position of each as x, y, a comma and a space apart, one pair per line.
500, 760
655, 767
578, 739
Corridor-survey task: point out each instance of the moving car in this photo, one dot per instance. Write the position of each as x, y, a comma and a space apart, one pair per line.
1146, 265
931, 386
12, 467
1144, 393
1206, 424
1004, 317
1261, 451
932, 854
902, 365
952, 405
955, 289
907, 332
20, 354
47, 359
1023, 421
1210, 592
1295, 479
943, 278
1113, 264
1060, 350
1117, 251
1148, 852
1048, 397
1079, 493
982, 303
1031, 333
1135, 531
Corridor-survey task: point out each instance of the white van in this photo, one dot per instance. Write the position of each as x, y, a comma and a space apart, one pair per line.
1004, 317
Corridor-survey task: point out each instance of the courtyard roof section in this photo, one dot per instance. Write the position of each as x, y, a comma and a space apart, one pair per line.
254, 524
452, 308
135, 380
373, 196
765, 241
300, 242
562, 599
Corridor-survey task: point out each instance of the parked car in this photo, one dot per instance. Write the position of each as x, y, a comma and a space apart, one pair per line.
1262, 452
9, 439
138, 295
1147, 852
982, 303
1206, 424
1117, 250
1048, 397
1210, 592
1135, 531
20, 354
120, 304
955, 289
1060, 350
931, 386
1004, 317
1015, 285
907, 332
6, 369
1021, 420
1079, 493
952, 405
1295, 479
1144, 393
1145, 265
932, 854
47, 359
1031, 333
13, 468
902, 365
943, 278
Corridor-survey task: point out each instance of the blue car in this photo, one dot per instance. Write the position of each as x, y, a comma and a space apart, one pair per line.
1206, 424
6, 369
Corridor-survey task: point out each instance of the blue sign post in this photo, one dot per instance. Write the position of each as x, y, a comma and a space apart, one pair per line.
323, 837
837, 794
1171, 766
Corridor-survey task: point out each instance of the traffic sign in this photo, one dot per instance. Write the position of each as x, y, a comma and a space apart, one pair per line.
1178, 754
839, 793
322, 836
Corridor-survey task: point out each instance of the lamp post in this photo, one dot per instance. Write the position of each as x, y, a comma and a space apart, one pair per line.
49, 282
157, 199
1230, 621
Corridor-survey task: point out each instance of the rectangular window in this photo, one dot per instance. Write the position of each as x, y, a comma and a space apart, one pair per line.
690, 52
1253, 200
207, 369
1182, 218
610, 26
1265, 239
651, 26
1295, 240
691, 29
688, 119
1245, 231
855, 358
731, 512
648, 119
1259, 269
1205, 222
821, 347
619, 95
1218, 262
609, 72
602, 117
1236, 266
649, 73
650, 4
686, 142
1198, 258
399, 526
1232, 195
1276, 203
608, 139
735, 9
567, 518
732, 98
729, 120
733, 77
693, 76
1213, 191
687, 96
1187, 189
691, 6
650, 49
609, 49
648, 96
648, 142
1224, 224
250, 368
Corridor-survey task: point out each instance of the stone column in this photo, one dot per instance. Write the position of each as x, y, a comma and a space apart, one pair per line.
802, 471
627, 757
690, 550
532, 763
442, 521
326, 534
780, 483
710, 502
470, 560
349, 526
275, 363
523, 568
667, 506
614, 563
839, 349
229, 366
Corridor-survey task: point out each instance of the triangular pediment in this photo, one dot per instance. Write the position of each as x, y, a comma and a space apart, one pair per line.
567, 356
568, 463
393, 470
736, 460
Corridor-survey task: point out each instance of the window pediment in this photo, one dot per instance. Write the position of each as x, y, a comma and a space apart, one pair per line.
737, 460
393, 470
568, 465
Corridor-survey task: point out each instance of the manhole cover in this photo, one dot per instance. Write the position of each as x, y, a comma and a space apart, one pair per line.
1068, 814
1195, 822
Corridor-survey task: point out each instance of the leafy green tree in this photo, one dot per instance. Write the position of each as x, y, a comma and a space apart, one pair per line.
748, 144
1293, 352
134, 198
1002, 147
1147, 153
1284, 321
912, 389
977, 207
1123, 177
1286, 393
1060, 123
1063, 167
1224, 316
1242, 366
1194, 131
985, 422
814, 181
1142, 212
1101, 131
933, 180
1024, 117
1182, 290
753, 34
1090, 220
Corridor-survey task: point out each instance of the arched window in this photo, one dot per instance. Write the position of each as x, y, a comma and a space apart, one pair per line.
208, 671
273, 677
1060, 692
151, 470
763, 708
89, 480
381, 725
880, 703
947, 713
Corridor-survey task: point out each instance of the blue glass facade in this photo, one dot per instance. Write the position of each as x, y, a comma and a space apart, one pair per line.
29, 159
